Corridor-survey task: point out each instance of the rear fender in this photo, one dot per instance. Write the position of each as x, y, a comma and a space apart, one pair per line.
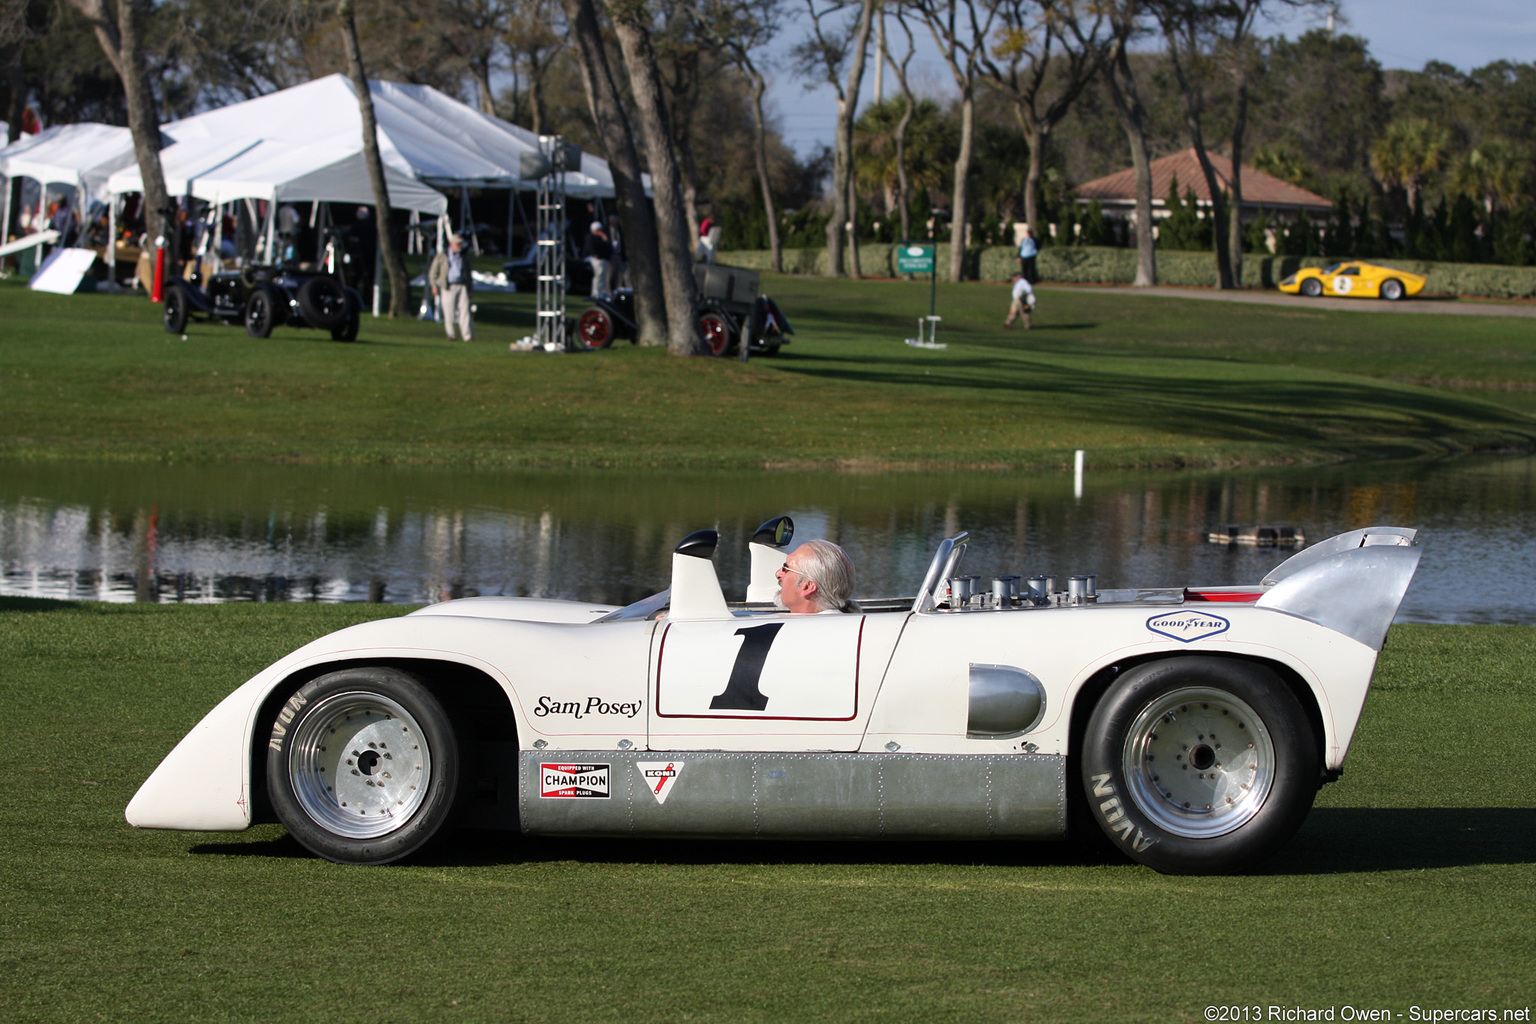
1352, 583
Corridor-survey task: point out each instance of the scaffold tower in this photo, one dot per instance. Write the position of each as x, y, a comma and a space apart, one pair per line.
557, 158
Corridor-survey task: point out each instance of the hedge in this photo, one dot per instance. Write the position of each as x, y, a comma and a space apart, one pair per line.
1106, 265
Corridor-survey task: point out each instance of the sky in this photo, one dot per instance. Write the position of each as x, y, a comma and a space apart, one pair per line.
1401, 34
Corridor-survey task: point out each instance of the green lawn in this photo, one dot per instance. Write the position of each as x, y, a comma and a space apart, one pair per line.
1411, 884
1134, 380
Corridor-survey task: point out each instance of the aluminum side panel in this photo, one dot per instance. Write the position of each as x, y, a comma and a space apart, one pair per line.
805, 795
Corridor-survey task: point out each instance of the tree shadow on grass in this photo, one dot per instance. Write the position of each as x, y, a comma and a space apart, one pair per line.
36, 604
1332, 841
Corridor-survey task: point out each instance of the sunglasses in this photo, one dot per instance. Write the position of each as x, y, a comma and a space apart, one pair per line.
786, 567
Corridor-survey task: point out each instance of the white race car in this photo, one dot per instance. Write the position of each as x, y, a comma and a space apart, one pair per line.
1193, 724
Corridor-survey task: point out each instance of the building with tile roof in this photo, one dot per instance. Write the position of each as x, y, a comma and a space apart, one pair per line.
1116, 193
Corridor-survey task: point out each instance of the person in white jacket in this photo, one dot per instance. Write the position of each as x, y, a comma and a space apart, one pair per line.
1023, 302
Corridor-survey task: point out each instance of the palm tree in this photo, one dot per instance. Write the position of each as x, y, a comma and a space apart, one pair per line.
1492, 173
927, 150
1408, 152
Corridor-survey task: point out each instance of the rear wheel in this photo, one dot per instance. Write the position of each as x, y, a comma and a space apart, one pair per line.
1392, 289
363, 766
595, 329
716, 331
1312, 288
1199, 765
323, 302
176, 310
348, 330
260, 313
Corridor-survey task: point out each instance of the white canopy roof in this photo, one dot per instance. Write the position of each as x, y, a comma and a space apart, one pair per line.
223, 169
82, 155
423, 133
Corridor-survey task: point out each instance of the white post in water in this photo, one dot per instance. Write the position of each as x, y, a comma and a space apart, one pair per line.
1077, 474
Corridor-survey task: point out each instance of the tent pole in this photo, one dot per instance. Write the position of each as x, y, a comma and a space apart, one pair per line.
5, 220
378, 269
111, 254
271, 228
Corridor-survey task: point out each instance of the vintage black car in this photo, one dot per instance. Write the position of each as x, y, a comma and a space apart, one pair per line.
730, 308
263, 298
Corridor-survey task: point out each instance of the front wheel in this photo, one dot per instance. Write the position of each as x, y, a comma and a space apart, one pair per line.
1200, 765
261, 313
363, 766
1312, 288
176, 309
1392, 289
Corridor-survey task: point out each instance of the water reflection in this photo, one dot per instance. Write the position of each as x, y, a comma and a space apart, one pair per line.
201, 534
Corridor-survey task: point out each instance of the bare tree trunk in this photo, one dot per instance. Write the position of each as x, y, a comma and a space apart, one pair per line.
480, 71
842, 160
394, 265
1235, 228
635, 218
1034, 139
1194, 109
671, 223
120, 41
1133, 117
903, 185
760, 157
959, 201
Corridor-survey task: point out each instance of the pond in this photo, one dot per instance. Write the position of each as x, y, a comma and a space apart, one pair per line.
261, 533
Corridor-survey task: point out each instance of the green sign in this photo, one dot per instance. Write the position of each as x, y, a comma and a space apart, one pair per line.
914, 258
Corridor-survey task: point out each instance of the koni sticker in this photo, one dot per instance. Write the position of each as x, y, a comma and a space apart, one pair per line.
574, 781
659, 777
1188, 626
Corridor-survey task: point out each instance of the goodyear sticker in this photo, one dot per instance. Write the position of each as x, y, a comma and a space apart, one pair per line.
1188, 626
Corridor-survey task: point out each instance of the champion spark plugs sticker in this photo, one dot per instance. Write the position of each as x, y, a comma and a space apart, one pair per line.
574, 781
659, 777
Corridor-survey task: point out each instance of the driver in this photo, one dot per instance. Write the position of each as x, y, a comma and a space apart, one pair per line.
816, 579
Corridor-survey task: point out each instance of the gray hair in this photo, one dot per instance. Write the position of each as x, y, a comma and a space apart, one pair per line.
832, 569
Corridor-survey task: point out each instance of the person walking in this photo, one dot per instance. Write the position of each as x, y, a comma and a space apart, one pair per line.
1028, 250
599, 252
453, 283
1023, 302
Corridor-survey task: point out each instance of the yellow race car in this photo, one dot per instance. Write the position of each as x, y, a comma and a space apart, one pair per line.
1355, 279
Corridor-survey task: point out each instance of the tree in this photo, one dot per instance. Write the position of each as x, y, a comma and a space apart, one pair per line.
631, 21
1493, 173
741, 28
635, 218
962, 40
394, 266
1188, 28
118, 30
1407, 153
1036, 66
1121, 22
826, 51
902, 145
475, 30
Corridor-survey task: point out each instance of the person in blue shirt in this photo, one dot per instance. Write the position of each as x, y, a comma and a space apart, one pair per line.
453, 282
1028, 250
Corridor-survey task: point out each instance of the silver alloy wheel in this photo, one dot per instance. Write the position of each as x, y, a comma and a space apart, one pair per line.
1199, 762
360, 765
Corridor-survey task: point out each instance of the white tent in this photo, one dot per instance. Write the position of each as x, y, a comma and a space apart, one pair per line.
81, 156
224, 169
422, 132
